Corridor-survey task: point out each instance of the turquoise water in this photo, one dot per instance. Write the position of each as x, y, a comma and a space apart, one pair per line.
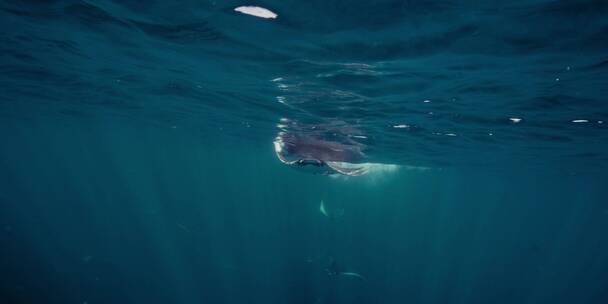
138, 161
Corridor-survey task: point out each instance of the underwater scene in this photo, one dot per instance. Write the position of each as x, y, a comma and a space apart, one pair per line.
389, 151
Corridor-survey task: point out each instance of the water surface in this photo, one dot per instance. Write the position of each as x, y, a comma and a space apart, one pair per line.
137, 161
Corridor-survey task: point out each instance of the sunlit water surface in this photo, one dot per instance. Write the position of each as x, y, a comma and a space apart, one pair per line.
138, 164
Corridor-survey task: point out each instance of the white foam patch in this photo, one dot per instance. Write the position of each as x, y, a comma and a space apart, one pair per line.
256, 11
580, 120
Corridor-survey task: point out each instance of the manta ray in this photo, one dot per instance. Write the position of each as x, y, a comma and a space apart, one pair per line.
332, 148
309, 151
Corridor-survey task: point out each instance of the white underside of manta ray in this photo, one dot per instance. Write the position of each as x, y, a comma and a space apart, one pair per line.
327, 167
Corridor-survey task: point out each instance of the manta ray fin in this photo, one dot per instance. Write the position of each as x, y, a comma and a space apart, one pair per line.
323, 210
352, 274
332, 214
347, 168
282, 159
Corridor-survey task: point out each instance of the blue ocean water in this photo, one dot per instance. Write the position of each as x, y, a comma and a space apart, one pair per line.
141, 152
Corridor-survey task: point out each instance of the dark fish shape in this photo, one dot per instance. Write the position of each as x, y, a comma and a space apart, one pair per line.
334, 269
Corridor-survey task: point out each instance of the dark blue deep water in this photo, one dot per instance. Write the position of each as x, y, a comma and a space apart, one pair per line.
137, 162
